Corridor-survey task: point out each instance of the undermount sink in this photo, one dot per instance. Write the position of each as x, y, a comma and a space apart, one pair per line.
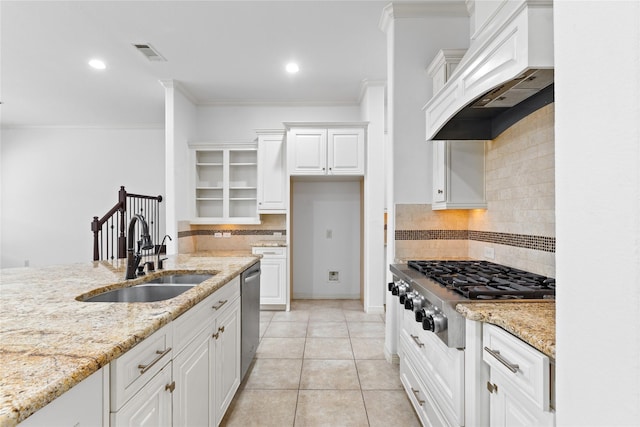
158, 289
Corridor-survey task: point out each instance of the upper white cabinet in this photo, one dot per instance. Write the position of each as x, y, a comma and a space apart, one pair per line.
443, 65
458, 166
326, 149
458, 175
272, 172
224, 183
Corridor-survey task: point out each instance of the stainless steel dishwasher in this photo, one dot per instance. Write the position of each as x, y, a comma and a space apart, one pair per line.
250, 309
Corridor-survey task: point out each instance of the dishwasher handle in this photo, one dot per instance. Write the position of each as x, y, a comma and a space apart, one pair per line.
251, 276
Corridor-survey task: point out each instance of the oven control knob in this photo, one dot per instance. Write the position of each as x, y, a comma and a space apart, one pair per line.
434, 323
390, 286
429, 310
404, 298
393, 288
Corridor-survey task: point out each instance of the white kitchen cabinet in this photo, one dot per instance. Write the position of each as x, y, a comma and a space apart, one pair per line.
273, 278
519, 381
326, 150
86, 404
226, 363
151, 406
443, 66
458, 175
187, 372
191, 372
224, 183
272, 172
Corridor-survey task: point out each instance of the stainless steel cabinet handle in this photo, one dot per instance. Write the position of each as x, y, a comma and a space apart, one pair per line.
160, 353
511, 366
220, 304
416, 394
415, 338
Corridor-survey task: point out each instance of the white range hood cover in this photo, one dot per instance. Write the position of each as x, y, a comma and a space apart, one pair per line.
510, 60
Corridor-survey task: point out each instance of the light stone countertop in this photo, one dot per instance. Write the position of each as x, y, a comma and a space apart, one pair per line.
532, 322
49, 341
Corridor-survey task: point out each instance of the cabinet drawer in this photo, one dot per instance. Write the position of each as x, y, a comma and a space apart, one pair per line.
131, 371
419, 394
524, 367
270, 252
224, 296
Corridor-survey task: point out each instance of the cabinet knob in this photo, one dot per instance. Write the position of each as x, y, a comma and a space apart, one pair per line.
440, 191
492, 387
170, 387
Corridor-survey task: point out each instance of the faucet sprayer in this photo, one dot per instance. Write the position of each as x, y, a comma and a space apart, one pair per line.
160, 266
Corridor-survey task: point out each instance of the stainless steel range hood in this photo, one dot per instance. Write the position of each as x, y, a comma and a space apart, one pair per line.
506, 74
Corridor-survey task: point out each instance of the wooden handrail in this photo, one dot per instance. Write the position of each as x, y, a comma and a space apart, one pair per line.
121, 208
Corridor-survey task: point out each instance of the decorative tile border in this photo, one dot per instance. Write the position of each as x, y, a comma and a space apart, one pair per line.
540, 243
189, 233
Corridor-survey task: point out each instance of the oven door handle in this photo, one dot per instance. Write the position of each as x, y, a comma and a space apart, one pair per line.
495, 353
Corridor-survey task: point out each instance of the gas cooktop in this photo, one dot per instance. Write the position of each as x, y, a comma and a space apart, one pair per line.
486, 280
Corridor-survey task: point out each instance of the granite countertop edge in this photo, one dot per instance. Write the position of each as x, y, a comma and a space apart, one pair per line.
50, 340
531, 321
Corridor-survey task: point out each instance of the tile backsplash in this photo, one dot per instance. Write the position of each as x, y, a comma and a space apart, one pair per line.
197, 238
519, 223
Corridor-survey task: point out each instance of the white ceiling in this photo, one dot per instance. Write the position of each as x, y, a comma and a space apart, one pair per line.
219, 51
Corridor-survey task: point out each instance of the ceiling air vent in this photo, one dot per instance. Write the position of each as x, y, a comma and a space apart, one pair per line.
149, 52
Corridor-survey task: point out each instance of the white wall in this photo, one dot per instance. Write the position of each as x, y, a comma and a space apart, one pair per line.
597, 93
55, 180
416, 41
239, 123
318, 208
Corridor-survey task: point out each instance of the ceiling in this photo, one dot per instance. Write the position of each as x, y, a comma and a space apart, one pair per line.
220, 52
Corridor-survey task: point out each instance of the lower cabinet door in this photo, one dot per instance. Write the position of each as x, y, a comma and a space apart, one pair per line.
191, 397
151, 406
509, 408
227, 366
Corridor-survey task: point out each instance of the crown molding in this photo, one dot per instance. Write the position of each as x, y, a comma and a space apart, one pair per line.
277, 103
366, 84
424, 9
133, 126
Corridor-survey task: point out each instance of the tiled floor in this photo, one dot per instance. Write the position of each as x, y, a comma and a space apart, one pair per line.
321, 364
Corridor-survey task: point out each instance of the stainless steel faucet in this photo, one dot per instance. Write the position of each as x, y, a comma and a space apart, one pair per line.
133, 259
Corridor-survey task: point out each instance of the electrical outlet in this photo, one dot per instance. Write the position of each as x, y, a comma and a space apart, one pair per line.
334, 276
489, 252
277, 234
217, 235
226, 235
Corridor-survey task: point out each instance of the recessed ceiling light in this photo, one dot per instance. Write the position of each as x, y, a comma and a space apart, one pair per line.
97, 64
292, 68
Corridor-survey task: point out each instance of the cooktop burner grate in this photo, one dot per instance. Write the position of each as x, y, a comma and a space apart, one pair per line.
486, 280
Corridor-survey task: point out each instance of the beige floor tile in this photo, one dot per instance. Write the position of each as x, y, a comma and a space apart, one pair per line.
361, 316
274, 374
378, 375
328, 348
329, 375
389, 408
330, 408
328, 330
263, 328
291, 316
327, 315
368, 348
315, 304
366, 330
352, 304
266, 316
268, 408
283, 348
286, 330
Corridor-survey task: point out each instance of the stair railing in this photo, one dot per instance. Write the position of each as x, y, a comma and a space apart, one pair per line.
109, 232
